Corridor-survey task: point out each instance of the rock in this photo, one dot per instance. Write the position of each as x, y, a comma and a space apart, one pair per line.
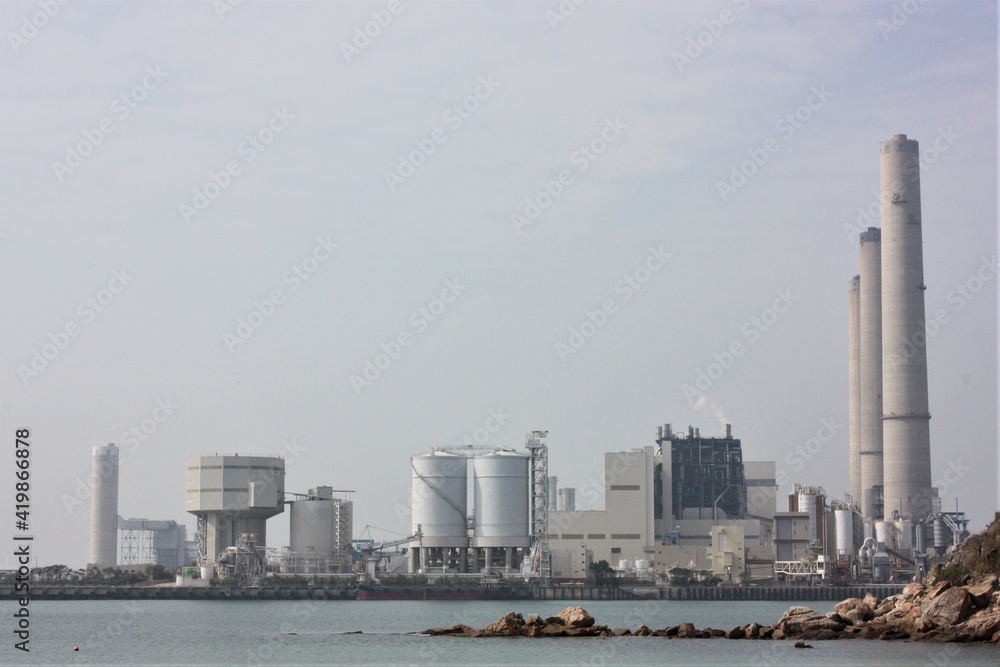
777, 633
553, 630
510, 625
983, 626
576, 617
672, 630
894, 634
453, 630
937, 589
643, 631
982, 590
554, 620
948, 608
802, 644
871, 600
718, 633
686, 630
821, 633
887, 605
739, 632
621, 632
534, 620
912, 589
765, 632
704, 634
855, 611
752, 630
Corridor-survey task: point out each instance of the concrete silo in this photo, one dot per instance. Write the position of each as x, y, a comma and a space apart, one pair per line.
104, 506
501, 526
439, 511
906, 419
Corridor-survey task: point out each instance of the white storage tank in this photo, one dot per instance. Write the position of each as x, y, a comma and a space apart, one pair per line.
624, 566
641, 567
500, 482
904, 535
313, 526
807, 503
438, 499
844, 523
882, 532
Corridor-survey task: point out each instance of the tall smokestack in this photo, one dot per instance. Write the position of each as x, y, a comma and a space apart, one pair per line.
854, 387
906, 419
104, 507
870, 344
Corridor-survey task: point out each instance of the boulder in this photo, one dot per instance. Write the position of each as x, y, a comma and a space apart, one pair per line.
643, 631
554, 620
458, 629
820, 633
912, 589
686, 630
982, 590
534, 620
855, 611
671, 631
982, 626
716, 632
553, 630
510, 625
871, 600
752, 631
576, 617
886, 606
703, 634
621, 632
948, 608
936, 590
739, 632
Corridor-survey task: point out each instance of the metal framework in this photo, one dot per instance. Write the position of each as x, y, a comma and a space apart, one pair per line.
137, 543
539, 461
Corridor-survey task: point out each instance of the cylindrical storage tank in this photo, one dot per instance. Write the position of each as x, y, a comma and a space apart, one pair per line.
793, 502
844, 522
921, 545
641, 566
882, 532
624, 565
807, 503
207, 572
567, 499
312, 527
880, 568
439, 487
500, 482
904, 535
940, 534
553, 491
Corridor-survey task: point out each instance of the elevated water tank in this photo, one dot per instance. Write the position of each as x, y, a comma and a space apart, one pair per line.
438, 499
844, 522
500, 481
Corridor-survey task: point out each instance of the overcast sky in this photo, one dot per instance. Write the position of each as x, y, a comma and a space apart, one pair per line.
217, 217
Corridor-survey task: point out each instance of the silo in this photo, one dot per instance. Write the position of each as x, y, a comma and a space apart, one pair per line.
807, 503
567, 499
906, 419
501, 499
439, 490
940, 534
552, 488
844, 522
312, 526
870, 377
904, 533
882, 530
104, 506
854, 389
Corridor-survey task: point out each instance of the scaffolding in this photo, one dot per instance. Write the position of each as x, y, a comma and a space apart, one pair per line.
707, 476
539, 462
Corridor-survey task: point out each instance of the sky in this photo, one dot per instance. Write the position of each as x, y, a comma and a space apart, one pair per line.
348, 232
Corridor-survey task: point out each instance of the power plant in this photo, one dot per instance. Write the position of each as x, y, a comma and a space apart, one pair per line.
691, 503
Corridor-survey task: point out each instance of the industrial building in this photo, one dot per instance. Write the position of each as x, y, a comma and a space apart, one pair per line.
148, 542
321, 532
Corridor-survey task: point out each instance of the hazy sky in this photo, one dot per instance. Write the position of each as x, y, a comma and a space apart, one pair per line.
216, 217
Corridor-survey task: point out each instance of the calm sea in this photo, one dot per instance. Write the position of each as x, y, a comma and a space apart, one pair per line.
313, 633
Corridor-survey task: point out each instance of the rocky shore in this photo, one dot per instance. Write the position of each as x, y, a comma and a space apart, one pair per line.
958, 602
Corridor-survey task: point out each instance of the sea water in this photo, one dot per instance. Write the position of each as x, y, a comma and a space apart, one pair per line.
175, 632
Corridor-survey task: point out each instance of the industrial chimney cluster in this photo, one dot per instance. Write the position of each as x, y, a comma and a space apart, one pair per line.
890, 461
